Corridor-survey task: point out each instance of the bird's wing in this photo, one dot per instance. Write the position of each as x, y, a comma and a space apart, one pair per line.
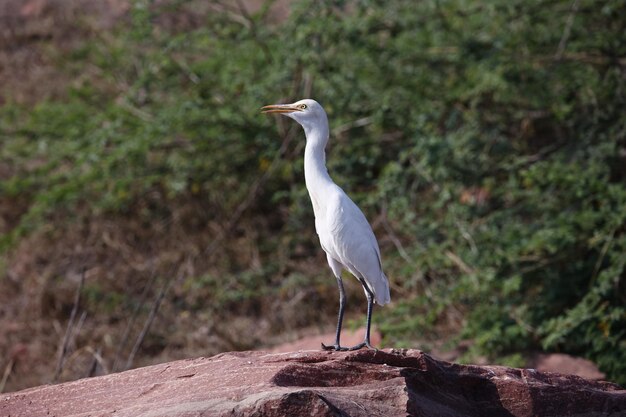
352, 242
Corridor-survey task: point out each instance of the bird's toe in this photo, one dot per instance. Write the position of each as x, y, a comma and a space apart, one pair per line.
336, 347
363, 345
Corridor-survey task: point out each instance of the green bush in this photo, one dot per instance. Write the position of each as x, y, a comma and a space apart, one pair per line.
492, 134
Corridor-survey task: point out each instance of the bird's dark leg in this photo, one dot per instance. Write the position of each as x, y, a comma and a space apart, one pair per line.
370, 306
342, 307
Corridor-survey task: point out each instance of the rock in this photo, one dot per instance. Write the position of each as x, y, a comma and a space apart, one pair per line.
317, 383
566, 364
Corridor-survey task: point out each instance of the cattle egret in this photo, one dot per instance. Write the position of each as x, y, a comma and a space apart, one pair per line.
344, 233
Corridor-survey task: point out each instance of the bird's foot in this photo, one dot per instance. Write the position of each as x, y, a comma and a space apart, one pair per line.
362, 345
334, 347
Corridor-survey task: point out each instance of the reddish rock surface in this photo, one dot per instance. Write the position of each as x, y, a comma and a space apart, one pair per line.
566, 364
316, 383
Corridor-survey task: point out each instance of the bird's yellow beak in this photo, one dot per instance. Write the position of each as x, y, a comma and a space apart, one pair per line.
279, 108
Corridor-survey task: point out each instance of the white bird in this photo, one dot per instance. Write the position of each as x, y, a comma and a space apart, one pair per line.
344, 233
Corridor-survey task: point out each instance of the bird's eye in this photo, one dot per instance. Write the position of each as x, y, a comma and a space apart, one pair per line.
303, 106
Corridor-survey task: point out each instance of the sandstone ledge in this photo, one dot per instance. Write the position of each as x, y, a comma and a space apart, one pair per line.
316, 383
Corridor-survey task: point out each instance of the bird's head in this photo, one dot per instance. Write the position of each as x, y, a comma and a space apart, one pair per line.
309, 113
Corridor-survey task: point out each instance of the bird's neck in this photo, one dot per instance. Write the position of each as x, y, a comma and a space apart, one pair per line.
315, 172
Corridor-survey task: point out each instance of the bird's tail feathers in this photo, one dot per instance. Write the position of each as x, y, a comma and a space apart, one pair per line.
381, 290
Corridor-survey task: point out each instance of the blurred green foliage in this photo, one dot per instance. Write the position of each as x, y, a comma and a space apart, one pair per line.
492, 135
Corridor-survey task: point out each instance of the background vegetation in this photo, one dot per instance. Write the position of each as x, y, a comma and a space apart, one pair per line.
485, 140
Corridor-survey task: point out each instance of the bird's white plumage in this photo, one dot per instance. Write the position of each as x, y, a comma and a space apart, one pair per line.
344, 233
347, 238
